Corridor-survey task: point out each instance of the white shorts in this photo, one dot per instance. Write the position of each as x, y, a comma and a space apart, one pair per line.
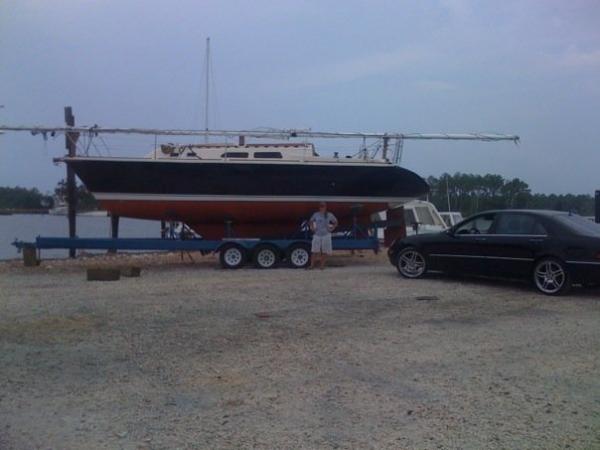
322, 244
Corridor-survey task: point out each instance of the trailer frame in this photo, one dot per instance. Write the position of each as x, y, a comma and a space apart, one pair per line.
233, 252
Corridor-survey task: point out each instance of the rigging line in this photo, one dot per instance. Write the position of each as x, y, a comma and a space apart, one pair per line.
89, 143
97, 149
106, 146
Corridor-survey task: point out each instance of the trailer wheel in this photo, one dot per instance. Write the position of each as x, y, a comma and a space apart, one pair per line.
232, 256
265, 256
298, 255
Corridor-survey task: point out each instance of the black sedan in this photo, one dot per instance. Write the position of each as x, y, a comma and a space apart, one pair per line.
552, 248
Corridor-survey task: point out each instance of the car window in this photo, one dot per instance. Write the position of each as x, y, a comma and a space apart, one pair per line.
478, 225
538, 228
519, 224
579, 225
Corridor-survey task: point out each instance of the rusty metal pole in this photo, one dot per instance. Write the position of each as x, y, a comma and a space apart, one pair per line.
386, 142
71, 145
114, 230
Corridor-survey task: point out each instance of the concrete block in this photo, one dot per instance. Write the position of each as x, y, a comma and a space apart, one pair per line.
103, 274
131, 271
30, 257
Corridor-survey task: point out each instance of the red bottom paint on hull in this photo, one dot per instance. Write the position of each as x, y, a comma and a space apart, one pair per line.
248, 219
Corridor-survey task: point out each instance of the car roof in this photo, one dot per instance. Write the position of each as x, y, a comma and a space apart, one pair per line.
541, 212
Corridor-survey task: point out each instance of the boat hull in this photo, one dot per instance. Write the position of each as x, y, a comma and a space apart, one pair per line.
243, 199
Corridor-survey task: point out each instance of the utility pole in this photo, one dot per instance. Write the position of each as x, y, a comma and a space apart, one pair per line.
207, 88
71, 145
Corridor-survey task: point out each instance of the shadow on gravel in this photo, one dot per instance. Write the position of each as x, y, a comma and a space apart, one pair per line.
577, 291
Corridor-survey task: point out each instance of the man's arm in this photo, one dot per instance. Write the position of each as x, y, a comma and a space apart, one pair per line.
311, 223
333, 219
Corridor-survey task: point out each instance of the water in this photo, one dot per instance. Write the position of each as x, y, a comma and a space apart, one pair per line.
27, 227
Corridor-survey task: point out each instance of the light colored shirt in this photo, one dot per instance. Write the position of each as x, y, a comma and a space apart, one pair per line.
322, 222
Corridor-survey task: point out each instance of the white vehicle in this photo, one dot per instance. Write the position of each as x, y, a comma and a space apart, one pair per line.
422, 217
451, 218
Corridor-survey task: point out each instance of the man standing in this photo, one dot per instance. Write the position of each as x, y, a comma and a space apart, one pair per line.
322, 223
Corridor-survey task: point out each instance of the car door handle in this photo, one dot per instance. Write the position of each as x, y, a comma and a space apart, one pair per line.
536, 240
481, 239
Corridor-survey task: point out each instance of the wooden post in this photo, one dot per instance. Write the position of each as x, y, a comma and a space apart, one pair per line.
71, 145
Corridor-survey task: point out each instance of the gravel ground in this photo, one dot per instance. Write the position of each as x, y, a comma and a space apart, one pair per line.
192, 356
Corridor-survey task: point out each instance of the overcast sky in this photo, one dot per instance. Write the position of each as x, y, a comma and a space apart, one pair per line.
525, 67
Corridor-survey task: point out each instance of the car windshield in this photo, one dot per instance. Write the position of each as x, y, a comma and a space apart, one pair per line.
580, 225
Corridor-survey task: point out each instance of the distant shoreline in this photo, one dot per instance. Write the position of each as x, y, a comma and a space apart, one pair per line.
11, 211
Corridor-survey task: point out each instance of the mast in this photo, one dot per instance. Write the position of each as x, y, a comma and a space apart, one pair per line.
207, 89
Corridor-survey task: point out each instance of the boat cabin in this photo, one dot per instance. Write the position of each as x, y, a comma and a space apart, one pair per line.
299, 152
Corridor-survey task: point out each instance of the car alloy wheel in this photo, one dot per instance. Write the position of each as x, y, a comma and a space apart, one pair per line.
551, 277
411, 263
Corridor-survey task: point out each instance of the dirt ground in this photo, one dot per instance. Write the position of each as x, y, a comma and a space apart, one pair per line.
191, 356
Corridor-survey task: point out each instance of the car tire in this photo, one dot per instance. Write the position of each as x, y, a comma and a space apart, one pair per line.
551, 277
232, 256
411, 263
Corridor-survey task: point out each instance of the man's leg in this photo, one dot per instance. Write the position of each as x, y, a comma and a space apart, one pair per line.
313, 260
326, 249
315, 250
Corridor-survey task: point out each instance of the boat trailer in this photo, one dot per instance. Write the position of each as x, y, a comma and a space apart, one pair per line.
233, 253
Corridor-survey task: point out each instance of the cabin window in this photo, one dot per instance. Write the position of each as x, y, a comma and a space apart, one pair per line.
409, 217
426, 217
268, 155
234, 155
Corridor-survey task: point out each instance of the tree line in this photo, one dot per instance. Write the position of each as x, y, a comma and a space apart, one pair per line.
470, 193
19, 198
467, 193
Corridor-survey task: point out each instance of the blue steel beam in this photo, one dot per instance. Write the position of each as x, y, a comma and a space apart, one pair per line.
343, 243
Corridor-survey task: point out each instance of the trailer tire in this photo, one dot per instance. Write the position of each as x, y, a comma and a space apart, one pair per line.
232, 256
265, 256
298, 255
